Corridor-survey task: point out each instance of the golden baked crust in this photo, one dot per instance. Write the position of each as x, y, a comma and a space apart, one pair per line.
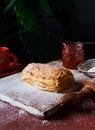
47, 77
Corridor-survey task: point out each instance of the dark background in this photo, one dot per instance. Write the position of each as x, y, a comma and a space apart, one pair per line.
74, 21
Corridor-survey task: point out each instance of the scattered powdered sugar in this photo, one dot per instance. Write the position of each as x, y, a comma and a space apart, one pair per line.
45, 121
21, 112
21, 94
2, 105
91, 69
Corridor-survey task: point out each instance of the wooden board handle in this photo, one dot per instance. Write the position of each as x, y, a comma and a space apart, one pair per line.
74, 99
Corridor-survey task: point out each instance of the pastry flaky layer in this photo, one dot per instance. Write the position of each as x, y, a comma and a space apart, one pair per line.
47, 77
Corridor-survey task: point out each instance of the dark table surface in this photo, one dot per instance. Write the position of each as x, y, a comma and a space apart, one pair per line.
83, 118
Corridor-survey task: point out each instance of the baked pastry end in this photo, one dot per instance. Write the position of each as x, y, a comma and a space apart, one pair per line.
47, 77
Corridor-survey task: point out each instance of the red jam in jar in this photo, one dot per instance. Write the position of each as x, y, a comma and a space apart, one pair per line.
72, 54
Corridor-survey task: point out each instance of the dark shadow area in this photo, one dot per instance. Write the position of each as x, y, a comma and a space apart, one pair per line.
89, 48
72, 20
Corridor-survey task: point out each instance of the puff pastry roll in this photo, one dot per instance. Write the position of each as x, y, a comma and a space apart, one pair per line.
47, 77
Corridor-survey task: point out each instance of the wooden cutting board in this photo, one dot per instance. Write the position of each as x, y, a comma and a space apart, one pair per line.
42, 104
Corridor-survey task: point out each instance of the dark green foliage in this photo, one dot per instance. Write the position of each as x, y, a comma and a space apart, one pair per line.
36, 37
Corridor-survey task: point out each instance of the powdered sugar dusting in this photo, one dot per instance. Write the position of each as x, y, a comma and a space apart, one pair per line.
45, 121
19, 93
91, 69
21, 112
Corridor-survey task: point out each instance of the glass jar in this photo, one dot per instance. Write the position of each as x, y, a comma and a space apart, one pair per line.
72, 54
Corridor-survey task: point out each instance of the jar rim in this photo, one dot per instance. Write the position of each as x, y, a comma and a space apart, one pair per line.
74, 46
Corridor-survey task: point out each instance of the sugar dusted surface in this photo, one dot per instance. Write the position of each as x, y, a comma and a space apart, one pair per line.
91, 69
19, 93
12, 118
45, 71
